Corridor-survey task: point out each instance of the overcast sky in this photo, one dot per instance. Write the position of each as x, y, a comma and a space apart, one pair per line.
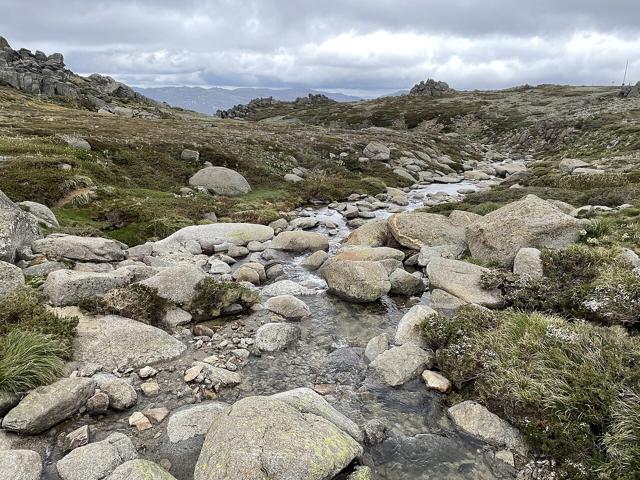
364, 46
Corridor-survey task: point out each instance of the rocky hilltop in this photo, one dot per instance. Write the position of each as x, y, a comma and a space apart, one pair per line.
258, 104
46, 75
431, 88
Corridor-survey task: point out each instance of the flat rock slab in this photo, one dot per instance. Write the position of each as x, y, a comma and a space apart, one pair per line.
218, 233
462, 280
47, 406
119, 342
70, 287
177, 284
84, 249
193, 421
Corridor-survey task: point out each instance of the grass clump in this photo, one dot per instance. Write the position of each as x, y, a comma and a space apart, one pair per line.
569, 387
212, 297
34, 342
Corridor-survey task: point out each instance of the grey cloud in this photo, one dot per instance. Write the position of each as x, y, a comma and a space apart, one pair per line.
357, 45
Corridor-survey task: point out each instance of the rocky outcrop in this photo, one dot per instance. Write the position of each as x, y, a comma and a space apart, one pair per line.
46, 75
221, 181
263, 437
258, 104
81, 249
530, 222
431, 88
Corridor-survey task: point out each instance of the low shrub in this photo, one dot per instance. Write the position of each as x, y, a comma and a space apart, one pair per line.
212, 297
571, 387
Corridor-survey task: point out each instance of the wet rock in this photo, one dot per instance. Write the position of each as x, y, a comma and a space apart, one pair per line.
300, 242
462, 280
371, 234
176, 284
140, 470
120, 393
78, 438
397, 196
11, 278
221, 181
98, 404
202, 331
357, 281
530, 222
528, 262
404, 283
375, 431
20, 465
344, 366
18, 229
409, 328
444, 303
262, 437
82, 249
273, 337
306, 401
288, 306
286, 287
191, 422
43, 214
315, 260
399, 365
47, 406
219, 377
303, 223
246, 274
476, 420
417, 229
119, 342
207, 236
376, 346
361, 473
69, 287
97, 460
435, 381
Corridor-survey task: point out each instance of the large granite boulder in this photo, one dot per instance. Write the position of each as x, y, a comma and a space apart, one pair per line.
98, 460
263, 437
17, 229
401, 364
207, 236
300, 242
529, 222
193, 421
409, 328
462, 280
47, 406
415, 230
140, 469
20, 465
43, 214
377, 151
368, 254
288, 306
118, 342
81, 249
273, 337
221, 181
357, 281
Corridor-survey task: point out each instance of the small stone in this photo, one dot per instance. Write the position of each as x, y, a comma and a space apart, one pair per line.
202, 331
147, 372
78, 438
139, 421
98, 404
156, 415
150, 389
192, 373
435, 381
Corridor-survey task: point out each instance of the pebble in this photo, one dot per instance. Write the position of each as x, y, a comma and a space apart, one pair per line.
150, 389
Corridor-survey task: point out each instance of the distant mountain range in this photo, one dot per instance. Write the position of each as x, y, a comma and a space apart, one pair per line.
208, 100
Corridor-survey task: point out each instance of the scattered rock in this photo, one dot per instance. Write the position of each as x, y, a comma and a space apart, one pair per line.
435, 381
288, 307
399, 365
11, 278
376, 346
190, 155
357, 281
444, 303
463, 280
75, 141
404, 283
371, 234
409, 328
78, 438
208, 236
377, 151
98, 460
98, 404
315, 260
528, 262
476, 420
286, 287
273, 337
221, 181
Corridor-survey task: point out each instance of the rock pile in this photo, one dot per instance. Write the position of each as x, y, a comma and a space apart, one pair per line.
431, 88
